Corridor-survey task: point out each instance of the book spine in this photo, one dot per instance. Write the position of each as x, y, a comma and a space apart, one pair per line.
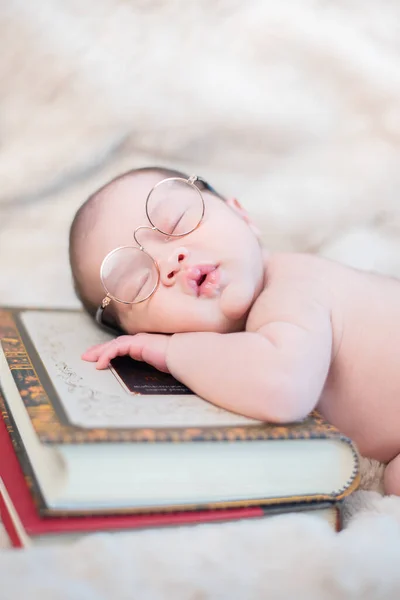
22, 456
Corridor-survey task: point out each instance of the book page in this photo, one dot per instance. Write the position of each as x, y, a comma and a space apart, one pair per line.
95, 399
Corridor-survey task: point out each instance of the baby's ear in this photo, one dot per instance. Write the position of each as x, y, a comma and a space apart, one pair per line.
235, 205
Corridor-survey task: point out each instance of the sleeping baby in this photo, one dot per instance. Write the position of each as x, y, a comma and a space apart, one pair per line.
179, 273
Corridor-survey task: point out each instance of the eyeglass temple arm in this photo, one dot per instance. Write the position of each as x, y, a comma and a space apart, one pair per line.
99, 318
209, 188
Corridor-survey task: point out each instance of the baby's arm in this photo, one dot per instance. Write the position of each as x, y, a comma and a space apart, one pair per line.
274, 373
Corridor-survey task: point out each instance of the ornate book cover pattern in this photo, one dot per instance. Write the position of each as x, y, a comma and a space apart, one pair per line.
22, 455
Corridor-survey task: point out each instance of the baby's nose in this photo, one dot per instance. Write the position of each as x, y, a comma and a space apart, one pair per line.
172, 265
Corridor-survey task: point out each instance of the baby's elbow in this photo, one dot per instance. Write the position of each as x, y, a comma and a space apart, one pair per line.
286, 413
281, 402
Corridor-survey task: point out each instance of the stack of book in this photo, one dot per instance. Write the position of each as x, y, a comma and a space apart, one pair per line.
83, 451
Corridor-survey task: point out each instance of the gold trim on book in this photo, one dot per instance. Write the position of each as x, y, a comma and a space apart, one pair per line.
265, 504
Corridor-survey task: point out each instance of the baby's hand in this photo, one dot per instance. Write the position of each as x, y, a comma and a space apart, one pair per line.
148, 347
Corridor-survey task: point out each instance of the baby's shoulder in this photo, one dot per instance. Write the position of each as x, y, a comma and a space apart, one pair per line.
295, 283
296, 266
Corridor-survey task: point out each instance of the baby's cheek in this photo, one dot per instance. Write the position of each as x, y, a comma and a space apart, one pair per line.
236, 299
164, 317
184, 313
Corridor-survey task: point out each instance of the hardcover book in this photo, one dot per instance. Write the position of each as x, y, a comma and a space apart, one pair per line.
132, 439
25, 526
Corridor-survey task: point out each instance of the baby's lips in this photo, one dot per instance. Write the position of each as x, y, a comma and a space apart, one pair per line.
198, 270
213, 277
192, 276
211, 286
189, 279
193, 273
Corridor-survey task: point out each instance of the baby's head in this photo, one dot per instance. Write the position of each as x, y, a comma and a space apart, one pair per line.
187, 259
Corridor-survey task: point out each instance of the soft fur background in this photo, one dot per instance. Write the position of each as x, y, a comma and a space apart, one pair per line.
294, 108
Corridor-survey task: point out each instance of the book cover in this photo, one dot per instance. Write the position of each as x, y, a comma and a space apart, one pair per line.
68, 401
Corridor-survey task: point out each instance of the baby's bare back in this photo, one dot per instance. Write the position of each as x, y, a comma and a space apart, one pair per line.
362, 392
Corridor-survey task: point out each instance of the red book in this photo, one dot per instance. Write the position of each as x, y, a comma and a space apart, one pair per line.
24, 525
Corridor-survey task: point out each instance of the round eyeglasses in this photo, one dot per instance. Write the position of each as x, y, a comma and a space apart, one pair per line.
129, 275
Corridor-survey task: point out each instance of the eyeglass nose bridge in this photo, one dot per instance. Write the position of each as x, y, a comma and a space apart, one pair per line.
153, 228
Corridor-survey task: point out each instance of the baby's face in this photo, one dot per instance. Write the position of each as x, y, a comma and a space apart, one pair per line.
209, 278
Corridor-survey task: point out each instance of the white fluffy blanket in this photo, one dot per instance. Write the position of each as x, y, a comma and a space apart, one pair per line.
293, 107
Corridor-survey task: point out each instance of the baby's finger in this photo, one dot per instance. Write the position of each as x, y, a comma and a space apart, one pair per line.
103, 361
119, 347
93, 353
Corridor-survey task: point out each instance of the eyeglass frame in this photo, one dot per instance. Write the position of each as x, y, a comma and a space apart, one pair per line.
99, 315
